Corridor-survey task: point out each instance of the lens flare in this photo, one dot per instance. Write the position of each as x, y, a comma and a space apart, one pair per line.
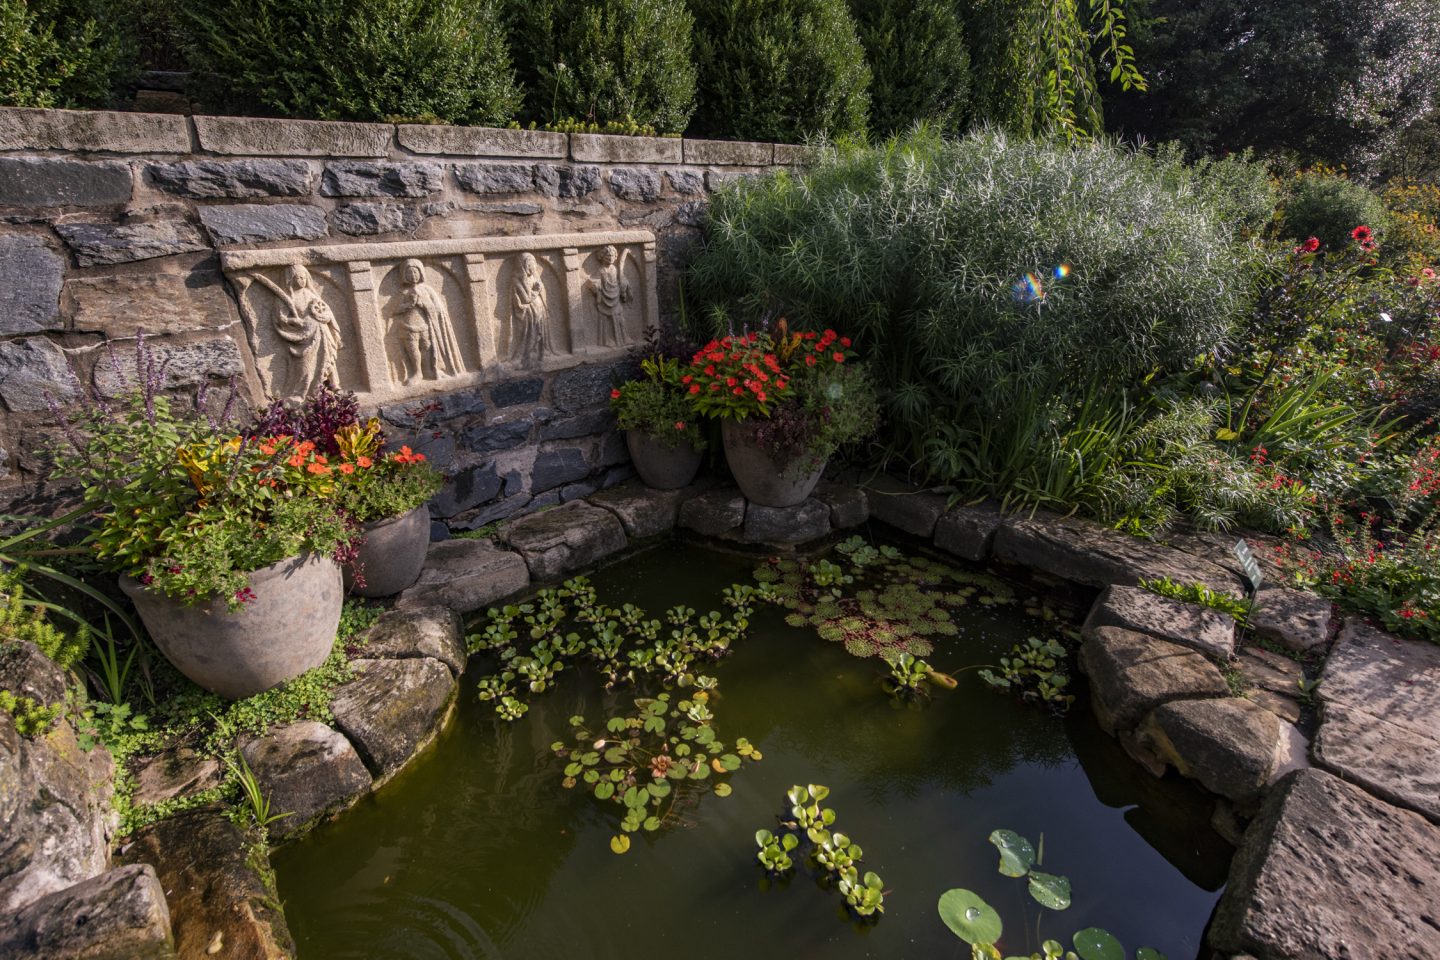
1031, 288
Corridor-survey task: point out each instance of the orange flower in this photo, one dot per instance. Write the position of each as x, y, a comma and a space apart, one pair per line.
365, 463
319, 469
347, 468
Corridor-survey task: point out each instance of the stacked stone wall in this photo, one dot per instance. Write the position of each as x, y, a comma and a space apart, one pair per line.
113, 225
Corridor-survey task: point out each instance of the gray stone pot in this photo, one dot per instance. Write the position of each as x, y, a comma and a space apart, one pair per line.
765, 479
287, 629
662, 467
392, 555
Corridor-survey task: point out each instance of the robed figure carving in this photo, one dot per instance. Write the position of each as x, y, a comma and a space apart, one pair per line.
612, 292
530, 313
311, 334
428, 347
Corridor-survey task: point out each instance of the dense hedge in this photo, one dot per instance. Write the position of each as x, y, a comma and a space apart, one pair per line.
606, 60
444, 60
919, 63
65, 53
784, 70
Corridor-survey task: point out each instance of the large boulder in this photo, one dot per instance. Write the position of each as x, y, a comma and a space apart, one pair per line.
904, 507
1230, 745
1328, 872
177, 772
1190, 625
307, 770
1295, 619
1131, 674
222, 897
848, 505
119, 915
643, 511
1093, 554
435, 632
55, 813
556, 543
713, 512
392, 708
806, 521
968, 530
466, 575
26, 672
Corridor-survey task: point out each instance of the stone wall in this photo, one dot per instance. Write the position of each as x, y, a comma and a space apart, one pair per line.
477, 287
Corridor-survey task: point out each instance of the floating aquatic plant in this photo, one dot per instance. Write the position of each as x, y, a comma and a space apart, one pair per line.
835, 852
1036, 670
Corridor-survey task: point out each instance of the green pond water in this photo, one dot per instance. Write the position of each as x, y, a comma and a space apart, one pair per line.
477, 851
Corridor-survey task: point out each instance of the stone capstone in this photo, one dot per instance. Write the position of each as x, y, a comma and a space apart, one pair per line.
1295, 619
1229, 744
1090, 553
738, 153
491, 178
968, 531
215, 892
608, 148
55, 816
233, 179
177, 772
31, 275
391, 708
257, 223
118, 915
559, 542
848, 505
53, 182
184, 365
1190, 625
249, 136
365, 178
121, 306
32, 370
566, 182
1327, 872
466, 489
100, 244
554, 468
643, 511
435, 632
801, 523
99, 130
481, 141
307, 770
466, 575
904, 507
1131, 674
713, 512
639, 185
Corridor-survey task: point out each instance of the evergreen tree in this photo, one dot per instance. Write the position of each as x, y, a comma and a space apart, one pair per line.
919, 63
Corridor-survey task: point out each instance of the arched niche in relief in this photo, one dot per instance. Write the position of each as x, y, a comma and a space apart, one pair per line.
532, 309
301, 328
424, 315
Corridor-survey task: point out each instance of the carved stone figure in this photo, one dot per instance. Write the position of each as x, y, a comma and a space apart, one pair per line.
427, 341
530, 313
311, 334
612, 292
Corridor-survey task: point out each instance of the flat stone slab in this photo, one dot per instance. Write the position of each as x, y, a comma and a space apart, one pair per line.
713, 512
558, 542
1190, 625
1271, 671
1085, 552
435, 632
1131, 674
968, 530
1385, 676
307, 770
204, 864
1391, 761
1228, 744
86, 130
466, 575
119, 915
904, 507
806, 521
391, 708
1294, 619
177, 772
849, 507
643, 511
1328, 872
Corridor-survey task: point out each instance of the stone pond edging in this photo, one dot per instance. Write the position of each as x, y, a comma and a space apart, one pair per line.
1316, 847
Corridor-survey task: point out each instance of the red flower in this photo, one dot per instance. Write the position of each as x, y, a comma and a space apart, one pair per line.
679, 424
738, 391
695, 387
760, 396
1362, 233
686, 379
839, 357
614, 394
845, 342
729, 381
1428, 273
1311, 244
809, 361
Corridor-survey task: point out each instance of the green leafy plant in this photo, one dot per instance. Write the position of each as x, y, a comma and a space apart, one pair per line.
919, 62
32, 719
1036, 670
256, 801
908, 674
656, 762
1202, 594
775, 851
65, 53
835, 852
24, 620
656, 404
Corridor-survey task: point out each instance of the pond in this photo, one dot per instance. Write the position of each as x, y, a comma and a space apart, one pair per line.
478, 851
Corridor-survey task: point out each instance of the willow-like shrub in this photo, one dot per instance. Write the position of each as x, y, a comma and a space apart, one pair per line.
997, 285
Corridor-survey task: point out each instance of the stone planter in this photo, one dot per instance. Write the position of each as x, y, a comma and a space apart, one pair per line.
287, 629
764, 478
662, 467
392, 555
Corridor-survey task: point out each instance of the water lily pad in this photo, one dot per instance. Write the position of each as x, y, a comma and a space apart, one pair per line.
722, 789
1049, 890
604, 790
1149, 953
969, 917
619, 843
1016, 853
1092, 943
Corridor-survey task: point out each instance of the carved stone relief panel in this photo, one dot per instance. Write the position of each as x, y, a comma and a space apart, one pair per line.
397, 320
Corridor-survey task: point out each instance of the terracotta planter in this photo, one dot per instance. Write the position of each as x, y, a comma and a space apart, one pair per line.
662, 467
287, 629
392, 555
764, 478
